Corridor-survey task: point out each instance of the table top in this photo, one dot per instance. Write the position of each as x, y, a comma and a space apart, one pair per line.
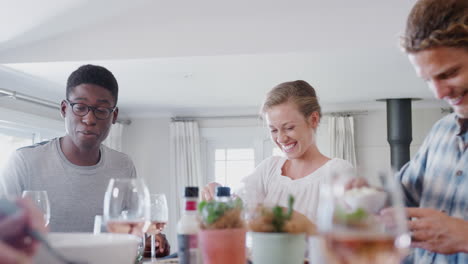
161, 261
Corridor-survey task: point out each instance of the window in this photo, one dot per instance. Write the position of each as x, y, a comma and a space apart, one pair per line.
19, 129
230, 153
232, 164
9, 144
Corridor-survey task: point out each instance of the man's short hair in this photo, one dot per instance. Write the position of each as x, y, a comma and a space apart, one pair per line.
93, 74
436, 23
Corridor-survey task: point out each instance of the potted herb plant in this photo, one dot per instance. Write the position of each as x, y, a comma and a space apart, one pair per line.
279, 235
222, 234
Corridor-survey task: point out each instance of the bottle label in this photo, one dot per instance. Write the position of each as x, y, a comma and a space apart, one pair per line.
188, 249
190, 206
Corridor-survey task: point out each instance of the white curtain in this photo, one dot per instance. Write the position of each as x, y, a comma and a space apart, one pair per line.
341, 131
114, 139
185, 159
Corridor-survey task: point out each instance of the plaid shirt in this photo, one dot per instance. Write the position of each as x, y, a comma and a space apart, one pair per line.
437, 177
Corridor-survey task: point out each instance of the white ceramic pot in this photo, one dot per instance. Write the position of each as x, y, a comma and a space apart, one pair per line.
278, 248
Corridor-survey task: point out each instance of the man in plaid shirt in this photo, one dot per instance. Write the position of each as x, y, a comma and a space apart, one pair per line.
435, 181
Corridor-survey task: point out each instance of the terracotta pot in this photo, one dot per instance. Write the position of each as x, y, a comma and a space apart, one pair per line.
225, 246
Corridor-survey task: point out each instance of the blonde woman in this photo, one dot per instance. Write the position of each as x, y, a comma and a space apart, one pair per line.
292, 114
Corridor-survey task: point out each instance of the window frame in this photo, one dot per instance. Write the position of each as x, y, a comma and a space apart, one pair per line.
28, 126
229, 137
226, 161
20, 123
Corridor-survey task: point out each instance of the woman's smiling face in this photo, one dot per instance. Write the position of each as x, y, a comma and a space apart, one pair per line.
290, 130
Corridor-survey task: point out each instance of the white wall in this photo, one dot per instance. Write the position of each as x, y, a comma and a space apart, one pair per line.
372, 148
146, 141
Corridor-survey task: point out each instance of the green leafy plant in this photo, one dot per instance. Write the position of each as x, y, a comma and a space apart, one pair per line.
280, 220
280, 216
220, 215
356, 217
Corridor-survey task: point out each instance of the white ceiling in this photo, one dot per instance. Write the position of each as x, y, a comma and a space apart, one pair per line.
210, 57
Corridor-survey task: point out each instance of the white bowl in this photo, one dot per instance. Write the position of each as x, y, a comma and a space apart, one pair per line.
366, 198
91, 248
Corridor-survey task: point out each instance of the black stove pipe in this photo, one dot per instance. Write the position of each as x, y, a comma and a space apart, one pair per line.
399, 131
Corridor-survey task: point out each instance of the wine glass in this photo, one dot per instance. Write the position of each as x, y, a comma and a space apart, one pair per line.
362, 219
159, 218
127, 208
41, 200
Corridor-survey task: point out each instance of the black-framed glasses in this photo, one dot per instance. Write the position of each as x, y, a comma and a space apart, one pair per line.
99, 112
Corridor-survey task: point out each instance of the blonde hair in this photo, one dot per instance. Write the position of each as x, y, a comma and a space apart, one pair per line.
299, 92
436, 23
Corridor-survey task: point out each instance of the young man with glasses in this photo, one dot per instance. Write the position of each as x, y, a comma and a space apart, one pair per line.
74, 169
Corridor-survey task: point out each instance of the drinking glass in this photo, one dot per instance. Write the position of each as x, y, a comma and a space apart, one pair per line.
41, 200
362, 219
127, 208
159, 218
99, 226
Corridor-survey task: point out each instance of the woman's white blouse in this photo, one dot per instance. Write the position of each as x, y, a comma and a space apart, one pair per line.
266, 185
